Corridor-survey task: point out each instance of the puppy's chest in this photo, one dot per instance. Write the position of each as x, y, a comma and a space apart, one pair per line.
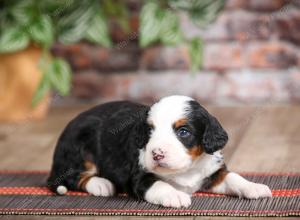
192, 180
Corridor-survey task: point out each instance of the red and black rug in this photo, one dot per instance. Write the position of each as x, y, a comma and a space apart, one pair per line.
25, 193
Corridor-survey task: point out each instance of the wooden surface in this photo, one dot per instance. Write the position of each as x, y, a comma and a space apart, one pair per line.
261, 139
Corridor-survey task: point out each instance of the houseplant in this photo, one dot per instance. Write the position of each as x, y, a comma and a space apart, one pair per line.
160, 22
30, 27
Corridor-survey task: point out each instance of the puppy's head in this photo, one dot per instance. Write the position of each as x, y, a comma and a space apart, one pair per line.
181, 130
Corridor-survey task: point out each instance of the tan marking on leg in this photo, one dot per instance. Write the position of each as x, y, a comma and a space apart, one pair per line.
91, 170
220, 177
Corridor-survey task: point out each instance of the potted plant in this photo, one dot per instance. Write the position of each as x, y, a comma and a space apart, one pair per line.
28, 29
28, 71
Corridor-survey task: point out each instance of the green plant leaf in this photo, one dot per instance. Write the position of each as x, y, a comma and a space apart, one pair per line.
205, 13
196, 53
59, 73
22, 11
72, 26
149, 23
118, 10
54, 8
41, 91
201, 12
170, 32
41, 31
13, 39
98, 32
159, 24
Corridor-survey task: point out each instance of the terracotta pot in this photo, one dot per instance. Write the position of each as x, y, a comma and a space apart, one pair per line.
19, 79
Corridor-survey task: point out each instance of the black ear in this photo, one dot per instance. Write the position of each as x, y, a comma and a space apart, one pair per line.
140, 132
140, 135
214, 136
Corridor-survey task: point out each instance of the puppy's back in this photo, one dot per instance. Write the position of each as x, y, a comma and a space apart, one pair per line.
83, 134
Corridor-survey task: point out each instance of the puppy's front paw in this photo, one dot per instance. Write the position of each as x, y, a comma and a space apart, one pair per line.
176, 199
162, 193
256, 190
98, 186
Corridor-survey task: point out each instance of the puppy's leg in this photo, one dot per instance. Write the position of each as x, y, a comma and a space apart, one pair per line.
162, 193
234, 184
98, 186
93, 184
150, 188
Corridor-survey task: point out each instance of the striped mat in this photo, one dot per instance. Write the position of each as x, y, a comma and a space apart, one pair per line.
25, 193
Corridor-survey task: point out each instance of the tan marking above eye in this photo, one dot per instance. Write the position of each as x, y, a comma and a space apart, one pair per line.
195, 152
181, 122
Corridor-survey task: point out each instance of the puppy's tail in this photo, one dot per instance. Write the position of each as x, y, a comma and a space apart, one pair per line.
61, 190
57, 187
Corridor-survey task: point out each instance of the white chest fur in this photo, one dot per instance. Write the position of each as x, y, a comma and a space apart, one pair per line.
192, 180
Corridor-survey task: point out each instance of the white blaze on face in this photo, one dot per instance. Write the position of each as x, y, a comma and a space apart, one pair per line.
162, 116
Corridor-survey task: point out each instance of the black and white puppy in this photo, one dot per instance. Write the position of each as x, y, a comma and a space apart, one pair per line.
162, 153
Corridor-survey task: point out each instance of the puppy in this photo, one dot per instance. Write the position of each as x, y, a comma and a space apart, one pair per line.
162, 153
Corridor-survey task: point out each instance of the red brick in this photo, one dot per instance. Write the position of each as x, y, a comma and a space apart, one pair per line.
271, 55
88, 56
121, 59
216, 31
233, 25
246, 26
117, 32
288, 25
257, 5
294, 86
162, 58
236, 4
266, 5
223, 56
80, 62
90, 85
253, 87
256, 87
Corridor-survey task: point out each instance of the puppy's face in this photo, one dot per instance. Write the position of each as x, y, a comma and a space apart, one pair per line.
182, 130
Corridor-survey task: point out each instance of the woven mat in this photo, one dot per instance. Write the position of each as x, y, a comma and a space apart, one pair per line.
25, 193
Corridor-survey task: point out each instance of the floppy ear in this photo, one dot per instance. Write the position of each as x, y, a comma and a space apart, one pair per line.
140, 132
214, 136
140, 135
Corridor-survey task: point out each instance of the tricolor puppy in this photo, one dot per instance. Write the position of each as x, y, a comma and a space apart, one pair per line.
162, 153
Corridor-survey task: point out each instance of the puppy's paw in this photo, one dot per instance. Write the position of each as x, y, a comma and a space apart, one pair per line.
176, 200
256, 190
98, 186
162, 193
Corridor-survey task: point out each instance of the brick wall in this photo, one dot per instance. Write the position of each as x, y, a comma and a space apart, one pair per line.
251, 55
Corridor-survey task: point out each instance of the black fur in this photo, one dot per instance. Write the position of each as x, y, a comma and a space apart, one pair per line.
110, 135
210, 134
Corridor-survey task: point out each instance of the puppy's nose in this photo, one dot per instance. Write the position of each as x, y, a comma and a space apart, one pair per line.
158, 154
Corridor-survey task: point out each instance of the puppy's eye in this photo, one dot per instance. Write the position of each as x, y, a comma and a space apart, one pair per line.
183, 132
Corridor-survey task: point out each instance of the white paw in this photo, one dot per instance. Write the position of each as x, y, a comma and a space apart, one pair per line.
98, 186
162, 193
256, 190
